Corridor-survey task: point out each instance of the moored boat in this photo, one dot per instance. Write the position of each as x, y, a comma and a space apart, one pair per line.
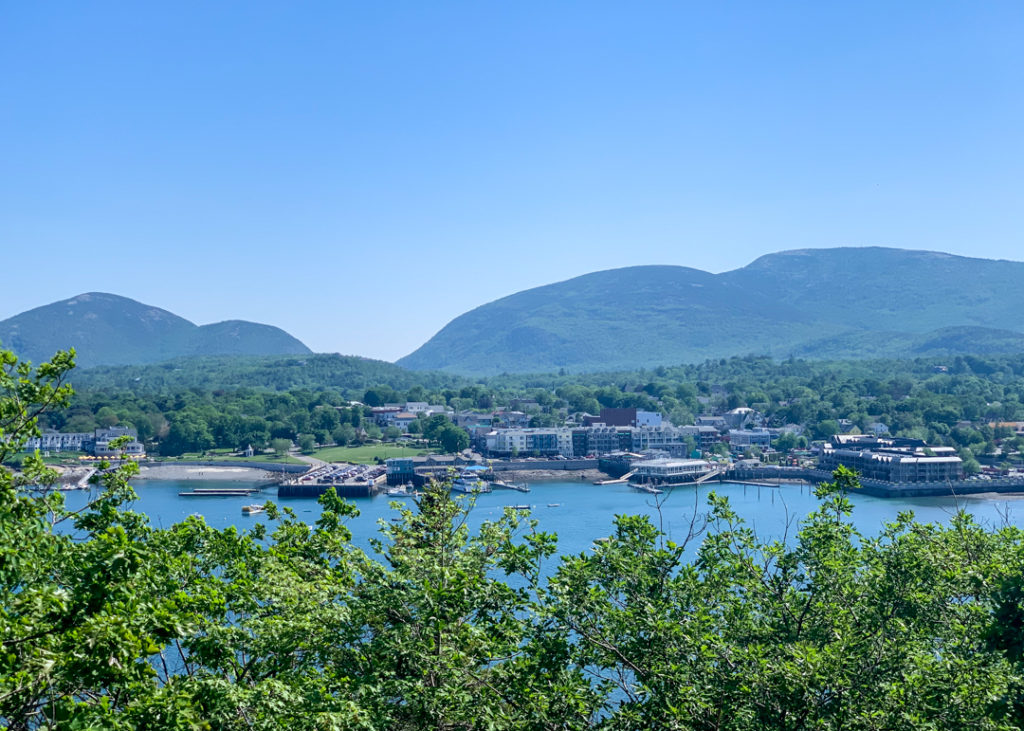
469, 482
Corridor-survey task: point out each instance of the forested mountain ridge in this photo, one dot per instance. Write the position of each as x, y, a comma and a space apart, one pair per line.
107, 329
812, 303
347, 373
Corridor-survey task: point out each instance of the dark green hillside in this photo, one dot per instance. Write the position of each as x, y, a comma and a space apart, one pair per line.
890, 289
824, 303
107, 329
607, 320
346, 373
238, 337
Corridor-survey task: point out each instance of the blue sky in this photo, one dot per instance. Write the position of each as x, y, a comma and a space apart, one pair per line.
361, 173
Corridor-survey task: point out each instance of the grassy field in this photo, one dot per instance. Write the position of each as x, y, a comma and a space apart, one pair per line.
367, 454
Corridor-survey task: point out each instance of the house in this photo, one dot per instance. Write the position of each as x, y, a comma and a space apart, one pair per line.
510, 419
741, 417
717, 422
402, 420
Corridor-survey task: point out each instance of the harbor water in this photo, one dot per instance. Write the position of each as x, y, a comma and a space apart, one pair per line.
578, 513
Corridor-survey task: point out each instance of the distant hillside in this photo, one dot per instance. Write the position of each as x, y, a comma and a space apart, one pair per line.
813, 303
107, 329
279, 373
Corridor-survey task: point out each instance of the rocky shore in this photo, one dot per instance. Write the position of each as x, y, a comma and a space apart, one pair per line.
552, 475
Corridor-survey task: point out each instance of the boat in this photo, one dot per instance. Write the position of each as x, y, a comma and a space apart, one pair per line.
252, 509
400, 491
469, 482
554, 505
520, 507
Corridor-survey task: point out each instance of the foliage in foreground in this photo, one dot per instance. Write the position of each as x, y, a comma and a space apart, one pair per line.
107, 622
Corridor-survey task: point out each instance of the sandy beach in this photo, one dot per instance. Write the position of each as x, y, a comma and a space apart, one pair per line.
205, 472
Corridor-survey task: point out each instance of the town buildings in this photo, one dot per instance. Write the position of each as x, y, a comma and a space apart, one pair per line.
96, 442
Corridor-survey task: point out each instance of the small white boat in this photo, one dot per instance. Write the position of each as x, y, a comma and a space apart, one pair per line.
470, 483
252, 509
520, 507
554, 505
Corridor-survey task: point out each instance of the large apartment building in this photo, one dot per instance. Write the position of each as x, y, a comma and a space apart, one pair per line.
894, 459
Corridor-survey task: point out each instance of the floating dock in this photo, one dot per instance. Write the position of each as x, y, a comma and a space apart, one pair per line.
520, 486
220, 492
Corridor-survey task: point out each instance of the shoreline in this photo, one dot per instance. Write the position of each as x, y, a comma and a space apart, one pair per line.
185, 473
587, 475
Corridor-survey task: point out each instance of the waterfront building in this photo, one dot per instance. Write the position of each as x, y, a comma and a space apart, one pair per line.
400, 470
670, 471
605, 439
96, 442
55, 441
894, 459
539, 441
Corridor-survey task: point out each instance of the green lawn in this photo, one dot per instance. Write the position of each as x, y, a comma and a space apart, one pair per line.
367, 454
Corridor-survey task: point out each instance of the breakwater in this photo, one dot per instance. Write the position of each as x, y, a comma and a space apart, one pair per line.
879, 488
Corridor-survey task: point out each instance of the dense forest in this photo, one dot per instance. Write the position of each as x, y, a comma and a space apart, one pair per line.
108, 622
190, 405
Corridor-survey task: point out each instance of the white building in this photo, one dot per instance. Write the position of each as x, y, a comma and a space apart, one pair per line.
526, 442
662, 471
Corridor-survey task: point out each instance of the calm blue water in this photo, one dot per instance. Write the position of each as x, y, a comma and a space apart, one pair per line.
584, 511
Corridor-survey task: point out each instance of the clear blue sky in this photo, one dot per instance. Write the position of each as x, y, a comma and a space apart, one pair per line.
360, 173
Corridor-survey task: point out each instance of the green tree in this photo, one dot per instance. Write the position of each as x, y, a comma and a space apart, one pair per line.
836, 631
453, 439
344, 434
280, 446
307, 444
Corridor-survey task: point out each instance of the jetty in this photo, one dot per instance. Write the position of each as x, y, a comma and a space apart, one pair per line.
519, 486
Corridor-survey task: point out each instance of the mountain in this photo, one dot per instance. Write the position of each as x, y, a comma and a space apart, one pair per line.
106, 329
811, 303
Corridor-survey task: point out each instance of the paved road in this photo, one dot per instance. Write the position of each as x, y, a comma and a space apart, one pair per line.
313, 461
